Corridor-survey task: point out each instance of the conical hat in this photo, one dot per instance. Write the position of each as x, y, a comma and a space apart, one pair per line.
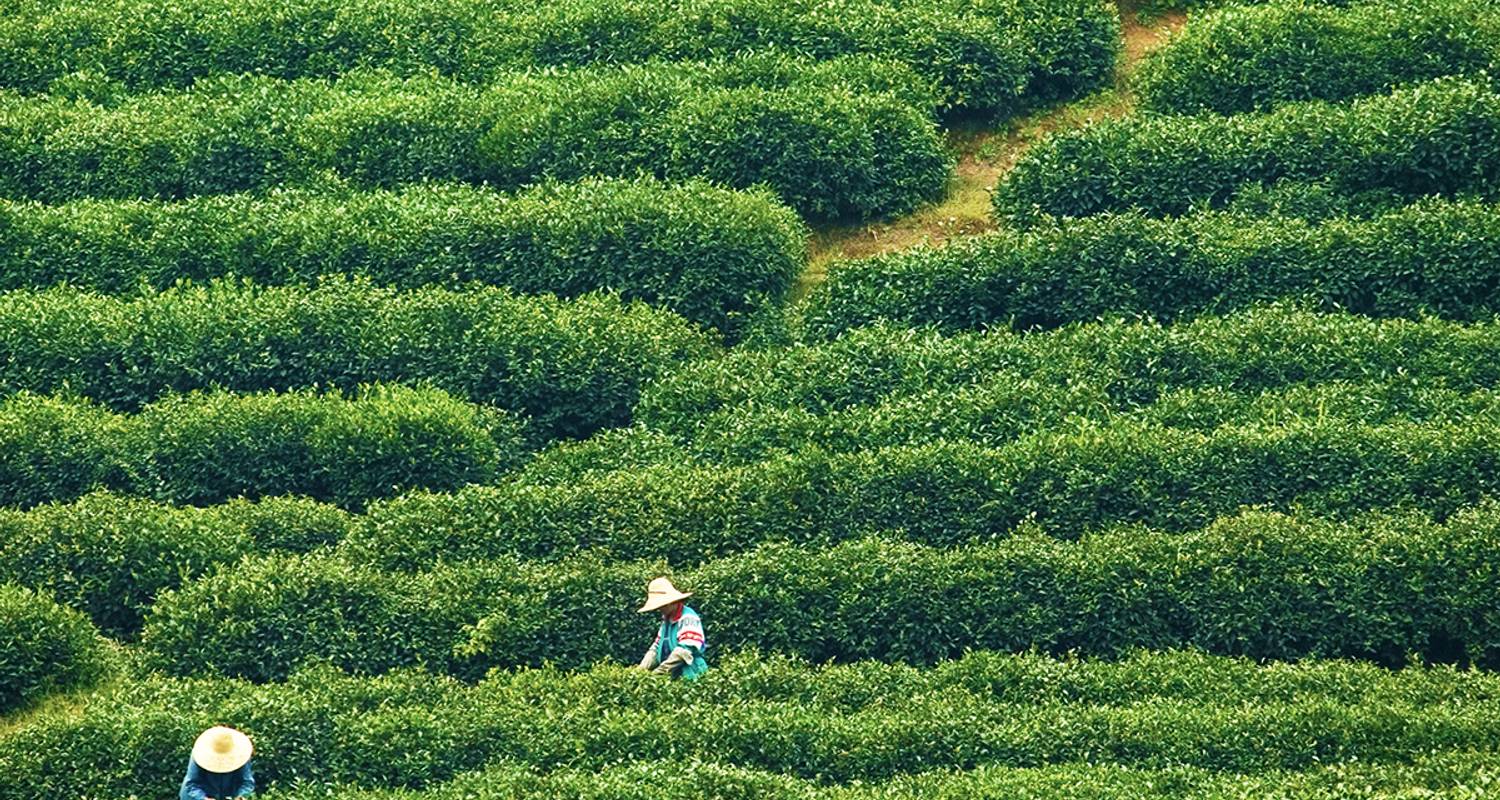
660, 593
221, 749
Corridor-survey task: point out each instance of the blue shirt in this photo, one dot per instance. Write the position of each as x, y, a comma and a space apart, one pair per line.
199, 783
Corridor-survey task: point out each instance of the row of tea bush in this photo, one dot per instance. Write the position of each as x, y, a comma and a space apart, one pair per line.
712, 255
989, 56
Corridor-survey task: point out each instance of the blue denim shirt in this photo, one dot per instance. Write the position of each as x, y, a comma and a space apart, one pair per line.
199, 783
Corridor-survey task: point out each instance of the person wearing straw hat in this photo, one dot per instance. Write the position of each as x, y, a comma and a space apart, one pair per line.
679, 645
219, 768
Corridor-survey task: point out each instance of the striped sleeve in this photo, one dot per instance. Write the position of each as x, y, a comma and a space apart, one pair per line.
690, 633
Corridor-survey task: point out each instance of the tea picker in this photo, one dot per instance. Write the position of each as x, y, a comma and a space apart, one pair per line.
219, 768
679, 645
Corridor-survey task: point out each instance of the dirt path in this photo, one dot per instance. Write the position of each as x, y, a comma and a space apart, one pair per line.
985, 154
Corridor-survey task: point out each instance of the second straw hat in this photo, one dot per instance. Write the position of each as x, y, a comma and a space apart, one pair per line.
221, 749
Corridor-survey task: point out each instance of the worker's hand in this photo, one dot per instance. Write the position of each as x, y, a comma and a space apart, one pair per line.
681, 656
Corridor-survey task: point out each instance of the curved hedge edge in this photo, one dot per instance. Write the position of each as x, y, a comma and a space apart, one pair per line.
1435, 258
48, 648
1252, 58
1436, 138
206, 448
110, 556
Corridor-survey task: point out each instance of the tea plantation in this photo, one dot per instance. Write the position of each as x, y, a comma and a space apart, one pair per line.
361, 361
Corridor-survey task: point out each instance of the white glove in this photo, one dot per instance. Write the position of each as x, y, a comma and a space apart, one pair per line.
681, 657
649, 659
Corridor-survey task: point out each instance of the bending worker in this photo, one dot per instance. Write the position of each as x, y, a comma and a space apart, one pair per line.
679, 645
219, 768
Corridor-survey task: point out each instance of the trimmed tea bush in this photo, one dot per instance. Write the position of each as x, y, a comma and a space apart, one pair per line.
1088, 477
712, 255
47, 648
207, 448
1441, 137
1260, 585
1007, 406
109, 556
51, 448
846, 138
1436, 258
1251, 58
1447, 775
993, 57
1133, 363
838, 724
572, 367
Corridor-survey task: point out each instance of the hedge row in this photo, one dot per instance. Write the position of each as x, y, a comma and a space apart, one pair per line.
207, 448
1441, 137
1008, 406
1461, 776
713, 255
412, 730
850, 138
1436, 258
1151, 9
1251, 58
47, 648
1131, 363
109, 556
1260, 585
572, 367
990, 56
1084, 477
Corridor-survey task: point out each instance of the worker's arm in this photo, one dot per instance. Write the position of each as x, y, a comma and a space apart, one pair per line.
680, 657
192, 789
247, 783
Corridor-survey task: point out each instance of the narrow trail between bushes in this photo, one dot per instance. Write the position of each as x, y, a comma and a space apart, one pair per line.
984, 154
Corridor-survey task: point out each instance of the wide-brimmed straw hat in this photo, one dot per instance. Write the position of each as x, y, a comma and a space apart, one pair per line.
221, 749
660, 593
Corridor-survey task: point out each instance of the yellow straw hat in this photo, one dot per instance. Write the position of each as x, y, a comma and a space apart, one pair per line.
660, 593
221, 749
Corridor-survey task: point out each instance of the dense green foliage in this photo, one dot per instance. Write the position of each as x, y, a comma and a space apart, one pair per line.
361, 361
1441, 137
1148, 10
712, 255
1461, 776
1131, 364
47, 648
995, 56
1248, 58
206, 448
1262, 585
1436, 258
848, 138
1067, 481
109, 556
571, 367
862, 722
